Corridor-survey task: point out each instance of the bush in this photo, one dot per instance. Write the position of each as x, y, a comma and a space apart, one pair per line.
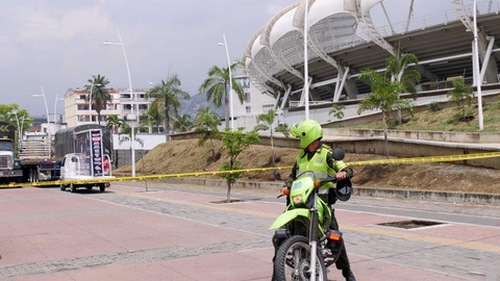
434, 106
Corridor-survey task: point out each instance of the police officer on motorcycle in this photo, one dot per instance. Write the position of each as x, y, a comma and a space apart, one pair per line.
320, 159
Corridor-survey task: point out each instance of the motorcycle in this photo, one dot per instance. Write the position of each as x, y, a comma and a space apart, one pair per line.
305, 246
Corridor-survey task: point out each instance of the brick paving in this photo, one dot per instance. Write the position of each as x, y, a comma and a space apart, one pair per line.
129, 234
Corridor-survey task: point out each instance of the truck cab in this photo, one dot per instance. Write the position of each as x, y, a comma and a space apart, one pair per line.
10, 166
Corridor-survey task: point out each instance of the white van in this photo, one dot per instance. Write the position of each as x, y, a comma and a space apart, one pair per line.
77, 167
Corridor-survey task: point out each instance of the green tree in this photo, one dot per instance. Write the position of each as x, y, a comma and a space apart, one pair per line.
183, 123
398, 67
167, 97
99, 96
207, 123
235, 142
265, 121
462, 95
337, 110
114, 122
154, 116
216, 87
19, 118
384, 97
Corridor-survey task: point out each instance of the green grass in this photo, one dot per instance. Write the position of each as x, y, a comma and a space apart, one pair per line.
446, 119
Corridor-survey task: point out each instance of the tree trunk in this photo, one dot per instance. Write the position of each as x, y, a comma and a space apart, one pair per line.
228, 196
272, 147
384, 120
167, 125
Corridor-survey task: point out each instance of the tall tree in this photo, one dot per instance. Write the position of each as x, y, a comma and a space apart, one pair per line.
183, 123
207, 123
461, 95
400, 70
384, 97
115, 123
98, 94
167, 97
235, 141
154, 116
265, 121
216, 87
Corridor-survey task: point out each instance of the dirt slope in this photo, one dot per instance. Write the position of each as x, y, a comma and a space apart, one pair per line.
186, 157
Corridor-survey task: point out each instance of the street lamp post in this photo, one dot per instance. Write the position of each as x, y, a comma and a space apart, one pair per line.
49, 134
45, 100
55, 108
230, 93
132, 115
477, 73
19, 128
306, 63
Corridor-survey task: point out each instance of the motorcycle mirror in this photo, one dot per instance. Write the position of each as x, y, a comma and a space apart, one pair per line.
277, 175
338, 154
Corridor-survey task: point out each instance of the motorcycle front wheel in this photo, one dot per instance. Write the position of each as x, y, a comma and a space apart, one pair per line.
293, 261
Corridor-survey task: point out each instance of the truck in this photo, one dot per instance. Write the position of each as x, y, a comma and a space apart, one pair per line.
10, 165
86, 155
37, 158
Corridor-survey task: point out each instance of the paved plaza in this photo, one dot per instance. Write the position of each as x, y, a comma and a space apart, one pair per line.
184, 233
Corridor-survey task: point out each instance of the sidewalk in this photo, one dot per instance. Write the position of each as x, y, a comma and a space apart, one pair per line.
128, 234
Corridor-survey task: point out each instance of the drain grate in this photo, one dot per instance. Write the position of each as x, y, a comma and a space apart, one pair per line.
410, 224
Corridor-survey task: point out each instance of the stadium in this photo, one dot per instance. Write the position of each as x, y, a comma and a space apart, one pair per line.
347, 36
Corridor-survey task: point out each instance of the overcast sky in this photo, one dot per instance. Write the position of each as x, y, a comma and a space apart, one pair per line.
57, 44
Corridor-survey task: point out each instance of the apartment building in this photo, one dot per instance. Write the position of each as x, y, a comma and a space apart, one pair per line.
78, 109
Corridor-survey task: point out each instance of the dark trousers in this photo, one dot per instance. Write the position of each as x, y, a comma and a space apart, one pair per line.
343, 261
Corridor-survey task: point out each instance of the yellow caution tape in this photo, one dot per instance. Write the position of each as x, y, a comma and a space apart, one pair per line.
399, 161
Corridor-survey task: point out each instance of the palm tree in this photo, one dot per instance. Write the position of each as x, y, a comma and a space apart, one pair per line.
265, 122
216, 87
398, 68
461, 95
167, 97
206, 123
114, 123
98, 94
154, 116
384, 97
183, 123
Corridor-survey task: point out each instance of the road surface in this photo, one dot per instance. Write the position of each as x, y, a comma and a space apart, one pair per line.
180, 232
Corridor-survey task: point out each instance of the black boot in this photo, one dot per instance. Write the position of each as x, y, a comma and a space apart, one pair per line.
348, 275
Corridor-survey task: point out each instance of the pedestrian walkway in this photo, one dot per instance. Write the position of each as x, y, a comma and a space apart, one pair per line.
127, 233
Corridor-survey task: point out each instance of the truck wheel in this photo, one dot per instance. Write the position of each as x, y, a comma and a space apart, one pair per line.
72, 188
102, 187
63, 188
89, 187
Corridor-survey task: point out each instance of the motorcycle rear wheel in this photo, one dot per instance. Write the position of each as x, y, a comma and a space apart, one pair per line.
293, 261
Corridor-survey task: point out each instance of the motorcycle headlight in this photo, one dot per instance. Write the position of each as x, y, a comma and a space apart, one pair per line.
297, 199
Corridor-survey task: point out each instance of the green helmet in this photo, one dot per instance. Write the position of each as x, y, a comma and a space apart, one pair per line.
307, 131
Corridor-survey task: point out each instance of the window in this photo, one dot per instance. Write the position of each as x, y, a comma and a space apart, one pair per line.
83, 107
248, 109
247, 96
266, 107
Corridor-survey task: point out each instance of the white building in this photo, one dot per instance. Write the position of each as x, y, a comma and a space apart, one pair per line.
78, 111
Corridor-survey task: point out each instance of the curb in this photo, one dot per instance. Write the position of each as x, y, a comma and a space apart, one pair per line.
427, 195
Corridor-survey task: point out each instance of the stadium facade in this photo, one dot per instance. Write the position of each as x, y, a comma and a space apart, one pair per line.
347, 36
